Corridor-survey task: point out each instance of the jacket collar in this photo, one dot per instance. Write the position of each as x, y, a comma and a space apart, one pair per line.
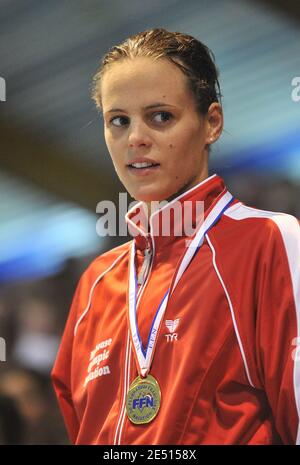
176, 218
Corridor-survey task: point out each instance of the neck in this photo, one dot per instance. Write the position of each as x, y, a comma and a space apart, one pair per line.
152, 206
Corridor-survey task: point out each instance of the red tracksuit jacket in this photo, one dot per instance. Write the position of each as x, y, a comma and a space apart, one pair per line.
226, 359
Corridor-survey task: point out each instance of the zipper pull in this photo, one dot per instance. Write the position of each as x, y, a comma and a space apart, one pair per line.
145, 266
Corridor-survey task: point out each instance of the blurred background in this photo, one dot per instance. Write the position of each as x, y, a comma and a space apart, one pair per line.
55, 168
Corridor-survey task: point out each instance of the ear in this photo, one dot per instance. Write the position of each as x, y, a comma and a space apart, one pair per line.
214, 123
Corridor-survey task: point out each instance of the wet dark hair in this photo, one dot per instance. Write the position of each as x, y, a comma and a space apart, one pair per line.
194, 59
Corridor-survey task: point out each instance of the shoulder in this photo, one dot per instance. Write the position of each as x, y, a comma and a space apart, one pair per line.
107, 259
103, 264
278, 225
247, 235
90, 278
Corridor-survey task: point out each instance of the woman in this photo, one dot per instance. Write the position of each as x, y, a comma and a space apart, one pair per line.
179, 338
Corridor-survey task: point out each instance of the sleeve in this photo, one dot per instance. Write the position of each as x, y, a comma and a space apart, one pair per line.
278, 321
62, 370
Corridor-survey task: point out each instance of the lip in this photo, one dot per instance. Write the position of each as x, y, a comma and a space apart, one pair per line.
142, 171
142, 160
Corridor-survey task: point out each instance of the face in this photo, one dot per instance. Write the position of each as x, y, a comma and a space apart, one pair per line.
157, 140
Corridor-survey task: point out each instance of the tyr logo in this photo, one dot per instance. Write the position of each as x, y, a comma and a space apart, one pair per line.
172, 326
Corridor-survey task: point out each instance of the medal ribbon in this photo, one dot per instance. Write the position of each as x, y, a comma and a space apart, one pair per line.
144, 356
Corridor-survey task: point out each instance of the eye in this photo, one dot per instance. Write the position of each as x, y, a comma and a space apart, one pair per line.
122, 120
159, 117
165, 116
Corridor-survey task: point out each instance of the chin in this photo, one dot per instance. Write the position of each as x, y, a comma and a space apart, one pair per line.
148, 195
147, 198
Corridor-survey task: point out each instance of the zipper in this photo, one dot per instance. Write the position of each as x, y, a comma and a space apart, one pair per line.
145, 267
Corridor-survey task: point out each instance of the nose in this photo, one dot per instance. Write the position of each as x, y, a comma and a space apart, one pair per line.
138, 135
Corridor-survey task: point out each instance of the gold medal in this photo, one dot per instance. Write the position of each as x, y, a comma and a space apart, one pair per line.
143, 400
